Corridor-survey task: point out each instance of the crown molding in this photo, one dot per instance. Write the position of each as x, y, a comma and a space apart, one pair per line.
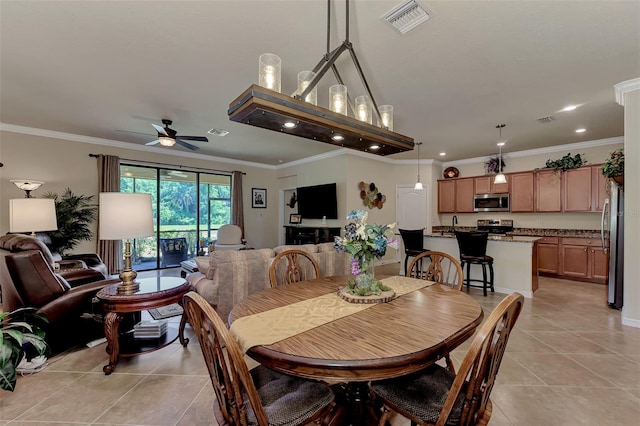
124, 145
625, 86
538, 151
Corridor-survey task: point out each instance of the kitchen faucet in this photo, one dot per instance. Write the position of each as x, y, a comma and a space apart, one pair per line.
454, 222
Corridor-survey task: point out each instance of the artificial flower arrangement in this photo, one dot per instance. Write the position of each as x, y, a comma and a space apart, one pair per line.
492, 166
364, 243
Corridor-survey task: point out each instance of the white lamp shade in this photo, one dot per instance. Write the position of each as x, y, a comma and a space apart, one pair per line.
500, 178
125, 215
32, 215
418, 186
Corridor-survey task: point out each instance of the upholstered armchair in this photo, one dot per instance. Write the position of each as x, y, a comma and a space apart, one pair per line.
27, 279
229, 238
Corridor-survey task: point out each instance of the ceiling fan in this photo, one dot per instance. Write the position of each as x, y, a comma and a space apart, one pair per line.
169, 137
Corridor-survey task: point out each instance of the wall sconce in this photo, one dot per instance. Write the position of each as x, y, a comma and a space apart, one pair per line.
27, 185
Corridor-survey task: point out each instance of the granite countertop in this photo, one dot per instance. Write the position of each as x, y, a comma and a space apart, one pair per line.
505, 238
529, 232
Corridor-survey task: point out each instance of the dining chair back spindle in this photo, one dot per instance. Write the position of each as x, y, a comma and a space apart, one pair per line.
292, 266
455, 399
260, 396
437, 266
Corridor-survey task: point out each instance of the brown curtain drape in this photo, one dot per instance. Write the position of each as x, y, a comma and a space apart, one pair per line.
109, 181
237, 209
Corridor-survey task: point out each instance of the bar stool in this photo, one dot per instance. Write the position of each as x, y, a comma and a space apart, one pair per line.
413, 240
473, 251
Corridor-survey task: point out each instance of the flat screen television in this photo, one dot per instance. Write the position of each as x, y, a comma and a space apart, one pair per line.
317, 201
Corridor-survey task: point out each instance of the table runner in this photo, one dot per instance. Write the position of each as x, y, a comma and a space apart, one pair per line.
277, 324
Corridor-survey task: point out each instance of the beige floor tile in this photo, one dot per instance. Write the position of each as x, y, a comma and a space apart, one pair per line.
620, 343
158, 400
32, 390
568, 342
498, 418
185, 361
559, 370
615, 368
536, 323
521, 341
513, 373
635, 392
600, 406
80, 359
140, 364
84, 401
532, 406
200, 412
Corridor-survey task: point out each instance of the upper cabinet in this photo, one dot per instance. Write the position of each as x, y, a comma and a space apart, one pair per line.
522, 192
455, 195
577, 193
548, 191
577, 190
485, 185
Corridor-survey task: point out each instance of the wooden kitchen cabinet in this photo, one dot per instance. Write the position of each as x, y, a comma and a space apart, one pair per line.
600, 188
584, 258
446, 196
455, 195
548, 191
577, 191
548, 255
464, 195
522, 185
485, 185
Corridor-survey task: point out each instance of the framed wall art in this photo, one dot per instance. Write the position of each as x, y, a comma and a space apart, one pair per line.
295, 218
259, 198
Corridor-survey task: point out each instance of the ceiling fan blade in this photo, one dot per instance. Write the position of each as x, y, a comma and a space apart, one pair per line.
187, 145
138, 133
153, 142
160, 129
193, 138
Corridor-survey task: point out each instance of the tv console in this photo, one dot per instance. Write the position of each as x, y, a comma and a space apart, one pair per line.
297, 235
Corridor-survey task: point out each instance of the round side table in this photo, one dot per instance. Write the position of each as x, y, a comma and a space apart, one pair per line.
153, 293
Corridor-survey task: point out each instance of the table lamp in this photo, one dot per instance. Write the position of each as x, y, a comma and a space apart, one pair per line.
32, 215
124, 216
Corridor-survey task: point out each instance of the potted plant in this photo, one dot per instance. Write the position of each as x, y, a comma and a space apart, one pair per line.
613, 167
566, 163
494, 164
74, 213
18, 333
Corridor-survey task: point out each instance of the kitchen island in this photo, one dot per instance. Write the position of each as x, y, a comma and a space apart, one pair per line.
515, 260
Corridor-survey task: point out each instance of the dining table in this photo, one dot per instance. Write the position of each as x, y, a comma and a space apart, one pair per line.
307, 330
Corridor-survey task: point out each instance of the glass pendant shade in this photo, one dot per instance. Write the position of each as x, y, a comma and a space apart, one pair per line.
304, 79
500, 178
338, 99
418, 185
364, 109
269, 66
386, 114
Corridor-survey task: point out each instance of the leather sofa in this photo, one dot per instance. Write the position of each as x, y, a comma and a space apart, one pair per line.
28, 279
226, 277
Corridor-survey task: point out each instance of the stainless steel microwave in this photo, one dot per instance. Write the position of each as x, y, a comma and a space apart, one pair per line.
491, 203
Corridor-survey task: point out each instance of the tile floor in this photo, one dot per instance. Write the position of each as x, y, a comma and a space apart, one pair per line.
569, 362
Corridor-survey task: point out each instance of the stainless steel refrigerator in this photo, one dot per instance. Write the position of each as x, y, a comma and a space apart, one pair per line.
612, 234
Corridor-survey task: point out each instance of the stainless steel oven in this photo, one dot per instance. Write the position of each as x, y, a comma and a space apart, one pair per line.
491, 203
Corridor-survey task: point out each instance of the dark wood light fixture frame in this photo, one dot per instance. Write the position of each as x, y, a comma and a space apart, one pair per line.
269, 109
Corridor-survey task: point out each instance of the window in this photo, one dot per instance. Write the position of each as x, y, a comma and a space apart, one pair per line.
188, 207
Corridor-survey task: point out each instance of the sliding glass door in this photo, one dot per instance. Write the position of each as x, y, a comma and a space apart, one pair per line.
189, 207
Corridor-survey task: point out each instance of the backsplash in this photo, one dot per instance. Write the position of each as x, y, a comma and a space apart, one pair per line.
539, 232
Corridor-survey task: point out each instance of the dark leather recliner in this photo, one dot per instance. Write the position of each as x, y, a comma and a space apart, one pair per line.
91, 260
27, 279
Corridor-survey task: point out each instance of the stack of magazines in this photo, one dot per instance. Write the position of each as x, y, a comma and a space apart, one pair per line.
150, 329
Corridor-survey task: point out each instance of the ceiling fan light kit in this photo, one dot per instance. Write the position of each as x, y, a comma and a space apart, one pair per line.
263, 105
169, 137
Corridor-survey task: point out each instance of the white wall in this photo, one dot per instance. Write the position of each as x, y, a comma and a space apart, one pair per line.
63, 163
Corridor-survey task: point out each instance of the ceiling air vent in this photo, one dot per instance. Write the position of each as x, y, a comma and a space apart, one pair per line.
547, 119
218, 132
406, 16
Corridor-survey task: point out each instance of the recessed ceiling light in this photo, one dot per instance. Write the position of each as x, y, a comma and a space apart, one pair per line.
442, 154
500, 143
570, 107
581, 130
374, 147
337, 137
289, 124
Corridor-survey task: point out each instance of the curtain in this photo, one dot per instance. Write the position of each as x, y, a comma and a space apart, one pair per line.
237, 209
109, 181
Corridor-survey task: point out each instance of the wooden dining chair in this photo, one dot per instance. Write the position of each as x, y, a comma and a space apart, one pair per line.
435, 396
437, 266
260, 396
292, 266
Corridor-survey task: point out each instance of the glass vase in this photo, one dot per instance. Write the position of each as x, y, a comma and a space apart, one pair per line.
366, 276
